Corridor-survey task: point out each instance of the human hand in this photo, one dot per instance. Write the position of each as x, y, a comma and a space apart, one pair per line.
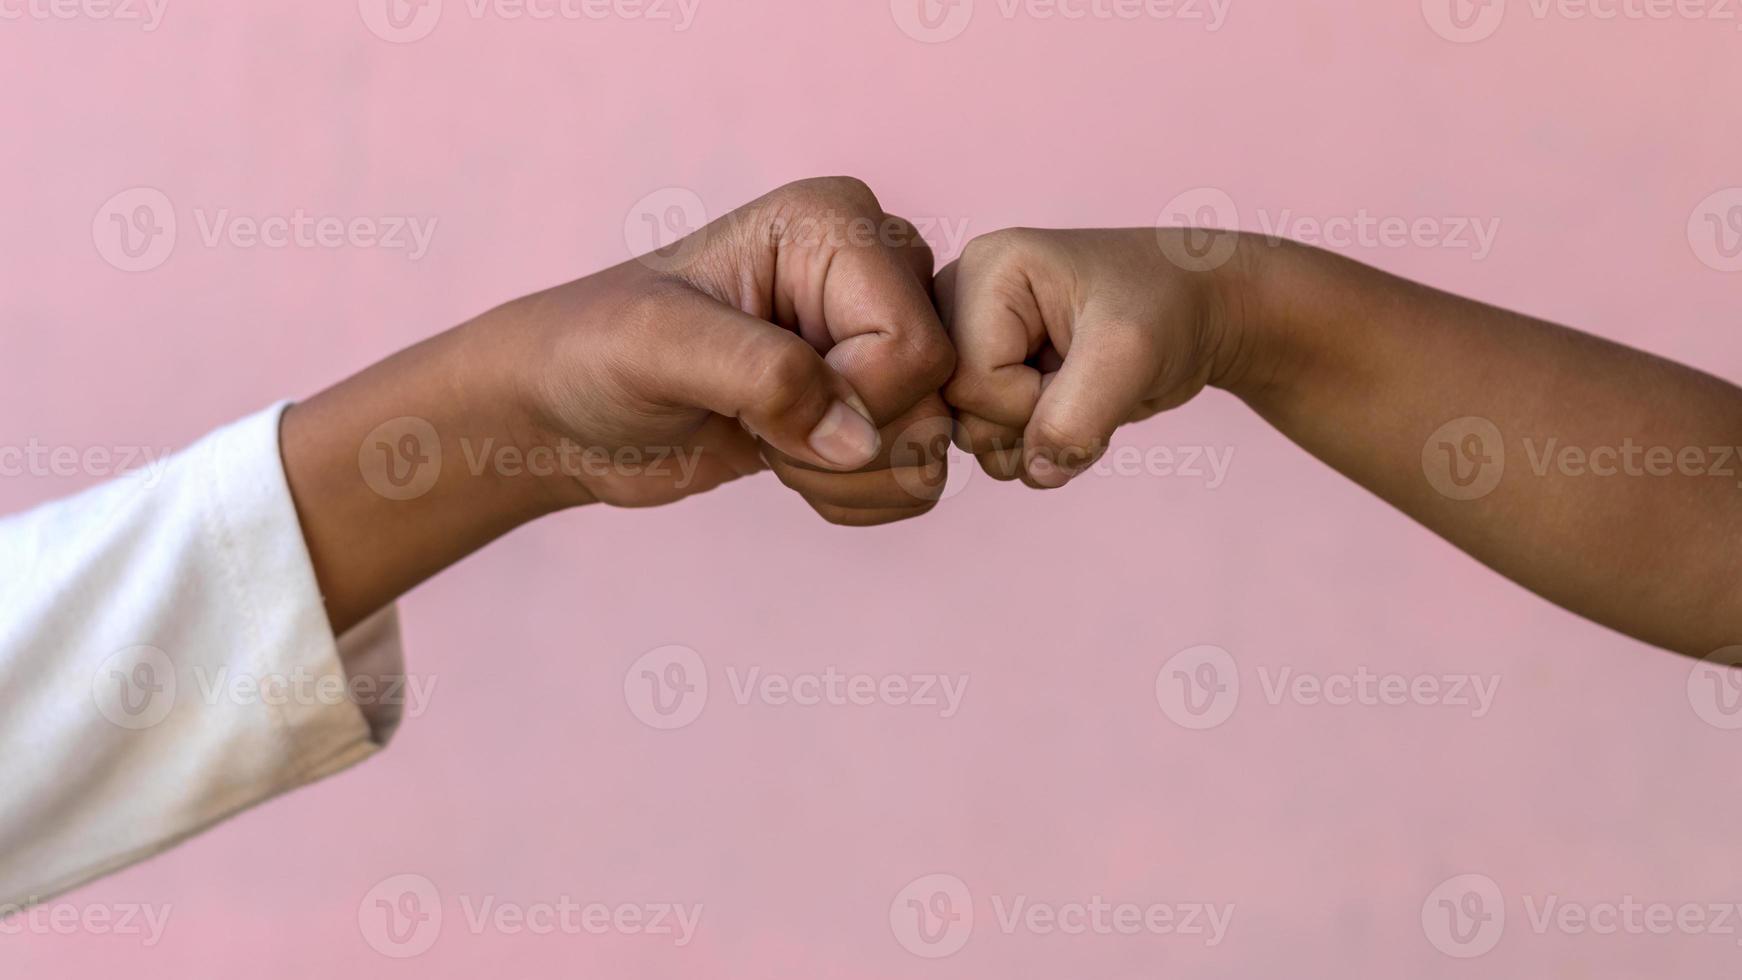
785, 335
1063, 336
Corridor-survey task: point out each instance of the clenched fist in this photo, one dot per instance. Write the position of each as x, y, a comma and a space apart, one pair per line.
1063, 336
796, 333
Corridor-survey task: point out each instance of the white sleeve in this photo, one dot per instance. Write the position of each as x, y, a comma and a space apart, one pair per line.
166, 661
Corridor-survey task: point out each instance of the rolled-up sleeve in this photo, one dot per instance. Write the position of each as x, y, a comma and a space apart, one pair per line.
166, 661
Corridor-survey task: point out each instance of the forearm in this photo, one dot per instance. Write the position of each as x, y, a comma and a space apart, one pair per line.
396, 473
1605, 502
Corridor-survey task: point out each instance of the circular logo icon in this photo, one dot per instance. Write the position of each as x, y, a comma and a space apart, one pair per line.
668, 229
1464, 21
1715, 689
932, 21
135, 230
667, 688
1196, 229
1464, 459
1465, 916
135, 687
401, 917
927, 464
1715, 230
933, 917
1199, 687
400, 21
401, 459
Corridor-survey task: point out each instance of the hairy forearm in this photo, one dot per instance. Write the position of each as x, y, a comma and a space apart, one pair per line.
384, 467
1579, 468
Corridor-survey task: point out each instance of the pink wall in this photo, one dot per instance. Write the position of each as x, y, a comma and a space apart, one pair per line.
1591, 777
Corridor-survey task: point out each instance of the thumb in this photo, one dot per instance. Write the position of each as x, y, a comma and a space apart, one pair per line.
1106, 373
768, 378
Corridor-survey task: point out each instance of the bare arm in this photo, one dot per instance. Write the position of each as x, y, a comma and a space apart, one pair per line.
1590, 473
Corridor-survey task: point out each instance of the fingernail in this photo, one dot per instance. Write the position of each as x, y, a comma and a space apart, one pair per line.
1047, 473
844, 437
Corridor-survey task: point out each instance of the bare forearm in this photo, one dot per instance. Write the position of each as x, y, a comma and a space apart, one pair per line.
384, 466
1579, 468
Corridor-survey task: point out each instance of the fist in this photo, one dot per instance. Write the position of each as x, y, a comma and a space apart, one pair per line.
1063, 336
796, 334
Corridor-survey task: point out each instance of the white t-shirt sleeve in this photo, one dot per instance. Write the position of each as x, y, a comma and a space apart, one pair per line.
166, 661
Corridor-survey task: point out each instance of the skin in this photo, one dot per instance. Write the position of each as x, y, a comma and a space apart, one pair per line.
799, 334
796, 334
1063, 336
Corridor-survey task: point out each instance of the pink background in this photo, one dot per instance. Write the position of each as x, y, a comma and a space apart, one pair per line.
532, 142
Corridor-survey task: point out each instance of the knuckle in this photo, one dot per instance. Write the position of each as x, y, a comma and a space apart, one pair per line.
849, 193
999, 247
933, 358
786, 377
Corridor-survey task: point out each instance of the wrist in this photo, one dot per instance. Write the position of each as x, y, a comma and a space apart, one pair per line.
1258, 297
503, 355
